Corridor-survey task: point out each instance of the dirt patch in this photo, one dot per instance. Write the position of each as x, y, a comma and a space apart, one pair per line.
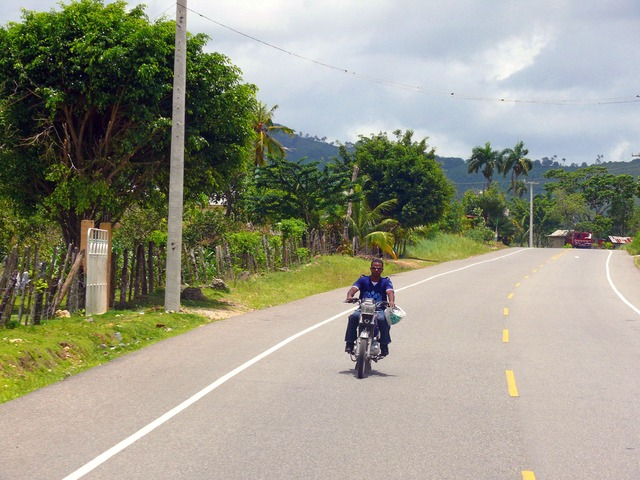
411, 263
218, 313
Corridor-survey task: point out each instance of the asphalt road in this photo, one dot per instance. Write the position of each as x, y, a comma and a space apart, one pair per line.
519, 364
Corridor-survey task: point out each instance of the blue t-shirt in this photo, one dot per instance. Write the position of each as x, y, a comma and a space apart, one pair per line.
378, 291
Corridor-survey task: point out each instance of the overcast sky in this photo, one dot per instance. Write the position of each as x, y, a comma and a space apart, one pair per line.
560, 75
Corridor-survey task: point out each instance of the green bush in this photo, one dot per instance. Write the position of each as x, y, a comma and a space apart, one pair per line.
302, 254
244, 246
480, 234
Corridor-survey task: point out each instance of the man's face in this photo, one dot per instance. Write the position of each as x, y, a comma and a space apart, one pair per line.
376, 268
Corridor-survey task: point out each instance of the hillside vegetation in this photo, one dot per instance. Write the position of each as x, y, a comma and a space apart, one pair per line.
318, 149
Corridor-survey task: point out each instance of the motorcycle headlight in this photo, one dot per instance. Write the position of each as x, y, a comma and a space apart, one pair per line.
368, 309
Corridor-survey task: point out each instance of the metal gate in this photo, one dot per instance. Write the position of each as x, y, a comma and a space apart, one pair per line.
97, 272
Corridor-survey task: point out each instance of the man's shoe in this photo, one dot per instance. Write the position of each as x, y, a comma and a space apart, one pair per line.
349, 348
384, 350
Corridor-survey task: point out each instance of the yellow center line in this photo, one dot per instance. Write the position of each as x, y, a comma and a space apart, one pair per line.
528, 475
518, 284
505, 311
534, 270
510, 296
511, 384
526, 276
505, 336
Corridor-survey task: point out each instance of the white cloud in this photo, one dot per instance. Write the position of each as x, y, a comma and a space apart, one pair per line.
514, 54
527, 50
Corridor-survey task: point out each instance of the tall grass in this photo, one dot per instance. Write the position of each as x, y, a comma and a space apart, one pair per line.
445, 247
634, 249
320, 275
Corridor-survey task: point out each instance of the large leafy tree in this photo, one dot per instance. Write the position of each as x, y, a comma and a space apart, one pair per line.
405, 170
567, 209
484, 159
283, 190
85, 112
599, 188
602, 194
492, 206
544, 221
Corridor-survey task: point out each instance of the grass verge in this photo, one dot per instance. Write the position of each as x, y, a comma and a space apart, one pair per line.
32, 357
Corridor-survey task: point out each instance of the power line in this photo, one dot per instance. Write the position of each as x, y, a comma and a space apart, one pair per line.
322, 64
419, 89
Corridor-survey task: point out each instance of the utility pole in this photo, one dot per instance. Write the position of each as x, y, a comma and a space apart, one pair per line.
176, 175
531, 184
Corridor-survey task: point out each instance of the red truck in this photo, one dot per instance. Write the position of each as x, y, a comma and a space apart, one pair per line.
581, 239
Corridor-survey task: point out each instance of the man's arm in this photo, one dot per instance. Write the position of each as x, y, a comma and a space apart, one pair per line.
352, 291
391, 298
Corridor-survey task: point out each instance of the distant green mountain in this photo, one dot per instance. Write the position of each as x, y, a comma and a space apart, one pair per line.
317, 149
311, 148
456, 171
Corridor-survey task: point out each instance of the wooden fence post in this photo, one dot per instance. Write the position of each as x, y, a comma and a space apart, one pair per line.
7, 284
38, 293
228, 260
24, 282
6, 305
123, 277
141, 272
150, 267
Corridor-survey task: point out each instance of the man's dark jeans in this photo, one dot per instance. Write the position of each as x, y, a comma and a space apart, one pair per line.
383, 326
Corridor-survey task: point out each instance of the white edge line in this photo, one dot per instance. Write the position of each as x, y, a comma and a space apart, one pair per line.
100, 459
629, 304
460, 269
103, 457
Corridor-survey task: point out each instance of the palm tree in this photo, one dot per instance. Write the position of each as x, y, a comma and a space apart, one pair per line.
370, 227
264, 127
484, 159
519, 188
515, 160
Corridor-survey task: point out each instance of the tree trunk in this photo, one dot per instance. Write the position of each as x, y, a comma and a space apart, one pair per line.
77, 264
56, 296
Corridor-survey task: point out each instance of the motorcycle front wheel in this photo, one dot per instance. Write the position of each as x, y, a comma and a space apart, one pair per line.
361, 353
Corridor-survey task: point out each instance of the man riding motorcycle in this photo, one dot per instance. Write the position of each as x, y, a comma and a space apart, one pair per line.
381, 290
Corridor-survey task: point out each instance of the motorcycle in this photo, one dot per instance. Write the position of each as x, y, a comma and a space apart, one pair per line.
367, 347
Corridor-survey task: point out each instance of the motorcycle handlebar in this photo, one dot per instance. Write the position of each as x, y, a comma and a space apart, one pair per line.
379, 305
